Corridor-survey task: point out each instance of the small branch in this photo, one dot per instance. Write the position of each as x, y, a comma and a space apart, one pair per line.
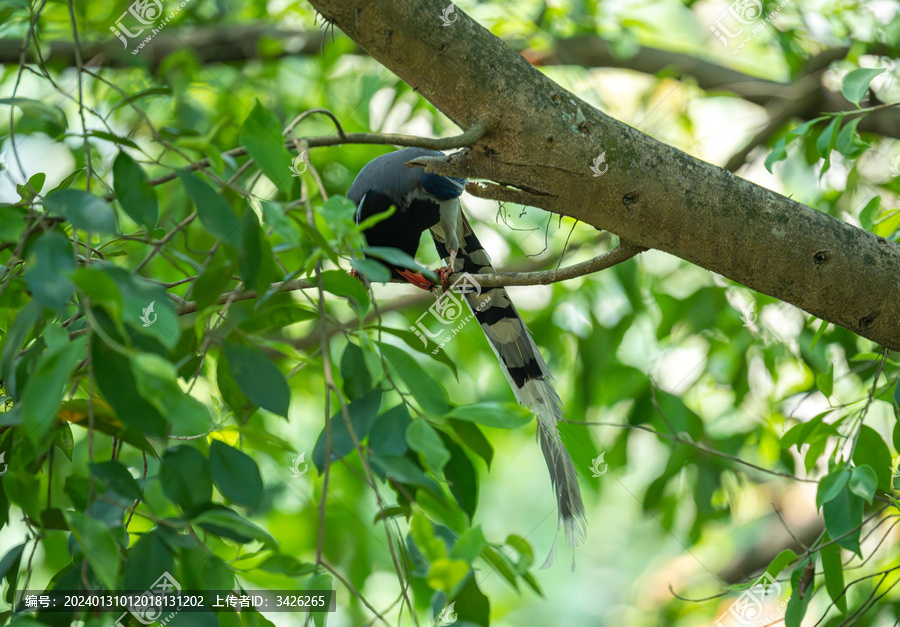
502, 193
699, 447
622, 252
803, 94
463, 140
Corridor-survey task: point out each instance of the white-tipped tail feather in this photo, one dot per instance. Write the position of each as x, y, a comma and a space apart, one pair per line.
524, 368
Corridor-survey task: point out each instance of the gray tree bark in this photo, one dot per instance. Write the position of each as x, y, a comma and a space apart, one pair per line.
539, 144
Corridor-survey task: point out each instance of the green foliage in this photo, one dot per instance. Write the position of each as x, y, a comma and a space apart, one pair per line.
158, 392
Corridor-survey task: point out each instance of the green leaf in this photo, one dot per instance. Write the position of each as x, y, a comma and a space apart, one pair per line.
848, 142
831, 485
342, 284
96, 284
19, 328
261, 135
286, 565
856, 83
38, 117
397, 257
372, 270
430, 394
825, 381
387, 435
151, 91
235, 474
354, 372
146, 306
255, 254
36, 183
46, 387
214, 211
136, 196
117, 478
779, 153
49, 265
500, 564
869, 213
372, 220
897, 406
404, 471
229, 524
12, 223
258, 378
231, 391
157, 382
423, 534
834, 573
113, 138
185, 477
469, 545
826, 140
362, 415
843, 517
116, 381
863, 482
9, 565
781, 561
472, 437
147, 560
212, 283
445, 574
83, 209
461, 476
100, 548
277, 317
497, 415
871, 450
472, 605
320, 581
421, 346
424, 439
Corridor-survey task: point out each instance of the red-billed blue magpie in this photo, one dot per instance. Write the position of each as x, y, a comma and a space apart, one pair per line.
429, 201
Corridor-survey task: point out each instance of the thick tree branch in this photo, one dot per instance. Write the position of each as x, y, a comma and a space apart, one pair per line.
543, 139
207, 45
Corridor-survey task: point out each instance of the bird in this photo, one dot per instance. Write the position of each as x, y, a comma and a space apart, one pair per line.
425, 200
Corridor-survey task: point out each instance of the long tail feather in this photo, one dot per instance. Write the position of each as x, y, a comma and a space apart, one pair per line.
527, 374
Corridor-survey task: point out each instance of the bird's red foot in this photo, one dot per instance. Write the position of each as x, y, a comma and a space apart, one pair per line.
417, 279
444, 273
355, 273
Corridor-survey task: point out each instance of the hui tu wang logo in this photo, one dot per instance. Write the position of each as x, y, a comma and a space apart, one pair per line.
3, 465
445, 16
140, 15
748, 315
3, 167
300, 163
895, 165
448, 309
596, 469
147, 313
600, 161
447, 616
298, 467
748, 608
152, 613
